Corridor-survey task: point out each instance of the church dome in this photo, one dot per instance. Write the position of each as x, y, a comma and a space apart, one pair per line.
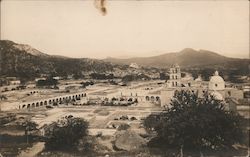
216, 82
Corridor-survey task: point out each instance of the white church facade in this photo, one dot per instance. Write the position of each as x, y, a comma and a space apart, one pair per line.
216, 86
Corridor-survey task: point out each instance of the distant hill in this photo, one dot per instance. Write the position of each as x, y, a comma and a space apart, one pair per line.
26, 62
27, 48
185, 58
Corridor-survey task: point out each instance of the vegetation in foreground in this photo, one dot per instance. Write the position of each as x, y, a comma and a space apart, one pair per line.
66, 134
192, 123
192, 126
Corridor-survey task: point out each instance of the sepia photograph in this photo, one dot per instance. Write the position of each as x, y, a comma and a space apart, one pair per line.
124, 78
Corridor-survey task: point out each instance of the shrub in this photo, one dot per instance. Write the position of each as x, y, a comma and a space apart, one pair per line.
65, 133
196, 123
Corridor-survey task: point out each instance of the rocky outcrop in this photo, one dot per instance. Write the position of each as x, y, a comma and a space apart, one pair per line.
128, 140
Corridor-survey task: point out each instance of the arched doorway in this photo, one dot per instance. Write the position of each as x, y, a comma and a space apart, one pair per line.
152, 98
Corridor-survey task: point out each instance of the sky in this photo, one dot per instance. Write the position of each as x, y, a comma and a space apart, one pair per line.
76, 28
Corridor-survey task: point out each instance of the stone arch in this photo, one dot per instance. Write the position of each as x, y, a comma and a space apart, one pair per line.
28, 106
136, 100
157, 98
41, 103
152, 98
49, 101
130, 99
45, 102
33, 105
82, 95
37, 104
24, 106
147, 98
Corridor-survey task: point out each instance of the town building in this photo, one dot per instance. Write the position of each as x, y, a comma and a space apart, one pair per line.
174, 76
134, 65
216, 82
216, 86
13, 81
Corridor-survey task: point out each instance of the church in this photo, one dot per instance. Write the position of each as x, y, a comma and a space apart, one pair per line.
216, 86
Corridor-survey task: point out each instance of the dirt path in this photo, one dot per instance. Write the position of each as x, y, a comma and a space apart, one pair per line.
33, 151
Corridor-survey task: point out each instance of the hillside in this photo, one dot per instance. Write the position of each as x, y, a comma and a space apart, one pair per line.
28, 49
26, 62
185, 58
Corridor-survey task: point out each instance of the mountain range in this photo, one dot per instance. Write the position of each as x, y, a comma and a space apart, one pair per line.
26, 62
186, 58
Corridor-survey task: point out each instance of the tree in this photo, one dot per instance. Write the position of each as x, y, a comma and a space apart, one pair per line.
78, 75
65, 133
29, 126
48, 82
151, 122
183, 74
197, 123
163, 76
124, 126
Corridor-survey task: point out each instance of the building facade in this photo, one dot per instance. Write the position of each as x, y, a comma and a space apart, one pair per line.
174, 76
